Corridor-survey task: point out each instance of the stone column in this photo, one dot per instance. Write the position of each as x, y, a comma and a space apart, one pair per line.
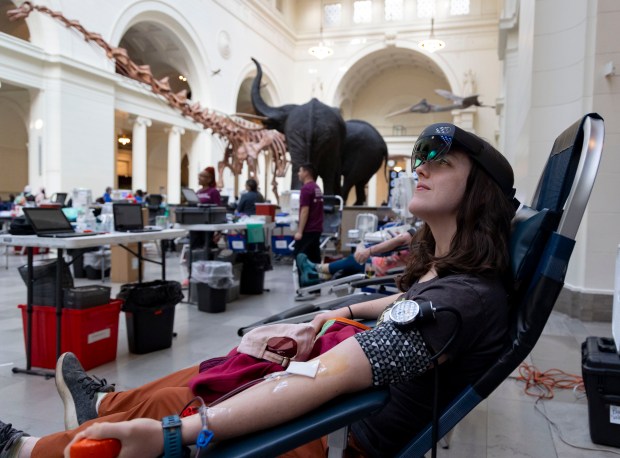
174, 164
199, 150
138, 153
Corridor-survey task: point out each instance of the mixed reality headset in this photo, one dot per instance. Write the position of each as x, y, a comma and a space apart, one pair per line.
437, 139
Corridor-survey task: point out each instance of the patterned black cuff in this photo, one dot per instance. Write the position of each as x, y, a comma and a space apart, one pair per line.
394, 355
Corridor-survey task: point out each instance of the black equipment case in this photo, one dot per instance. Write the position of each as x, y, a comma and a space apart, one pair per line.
200, 215
600, 365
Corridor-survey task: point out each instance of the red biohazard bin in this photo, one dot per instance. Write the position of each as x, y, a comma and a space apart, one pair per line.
266, 209
92, 334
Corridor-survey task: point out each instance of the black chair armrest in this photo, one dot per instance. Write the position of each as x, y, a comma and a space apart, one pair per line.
331, 416
387, 280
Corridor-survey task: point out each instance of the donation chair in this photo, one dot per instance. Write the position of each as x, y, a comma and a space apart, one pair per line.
345, 285
332, 219
540, 247
330, 237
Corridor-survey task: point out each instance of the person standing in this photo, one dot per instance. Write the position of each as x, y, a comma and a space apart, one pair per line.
248, 200
310, 227
208, 193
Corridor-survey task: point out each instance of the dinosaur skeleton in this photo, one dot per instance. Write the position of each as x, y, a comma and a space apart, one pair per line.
243, 140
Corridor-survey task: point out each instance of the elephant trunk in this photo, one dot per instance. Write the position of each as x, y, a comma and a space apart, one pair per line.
275, 116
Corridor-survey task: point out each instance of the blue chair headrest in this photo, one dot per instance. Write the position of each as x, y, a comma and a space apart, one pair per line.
530, 232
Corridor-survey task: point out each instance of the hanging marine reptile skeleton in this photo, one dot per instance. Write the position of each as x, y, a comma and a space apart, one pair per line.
243, 140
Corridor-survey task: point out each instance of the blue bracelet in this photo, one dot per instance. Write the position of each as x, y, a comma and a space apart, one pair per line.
173, 441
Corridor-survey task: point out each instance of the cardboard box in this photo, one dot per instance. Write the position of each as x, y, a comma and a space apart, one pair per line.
124, 264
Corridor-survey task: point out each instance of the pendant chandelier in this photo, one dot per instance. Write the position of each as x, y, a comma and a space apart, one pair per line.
432, 44
321, 51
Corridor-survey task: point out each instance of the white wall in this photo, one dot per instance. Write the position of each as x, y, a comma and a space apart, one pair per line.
553, 63
602, 230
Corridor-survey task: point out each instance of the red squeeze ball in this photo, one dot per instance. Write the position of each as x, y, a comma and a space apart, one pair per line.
96, 448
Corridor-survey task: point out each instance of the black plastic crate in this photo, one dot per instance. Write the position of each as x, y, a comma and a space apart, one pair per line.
192, 215
600, 364
83, 297
200, 215
217, 215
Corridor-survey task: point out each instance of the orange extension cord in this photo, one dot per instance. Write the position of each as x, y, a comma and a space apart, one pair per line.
542, 384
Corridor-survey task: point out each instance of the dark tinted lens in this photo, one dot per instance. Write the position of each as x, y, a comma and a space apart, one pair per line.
429, 149
283, 346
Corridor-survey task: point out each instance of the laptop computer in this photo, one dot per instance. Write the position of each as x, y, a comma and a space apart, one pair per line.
59, 198
190, 196
128, 218
52, 222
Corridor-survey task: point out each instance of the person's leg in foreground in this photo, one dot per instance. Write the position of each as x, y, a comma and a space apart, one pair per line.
88, 400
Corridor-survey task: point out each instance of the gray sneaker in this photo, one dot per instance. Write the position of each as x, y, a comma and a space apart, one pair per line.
8, 437
78, 390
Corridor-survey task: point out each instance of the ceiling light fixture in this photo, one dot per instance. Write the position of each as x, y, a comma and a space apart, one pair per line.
432, 44
124, 140
321, 51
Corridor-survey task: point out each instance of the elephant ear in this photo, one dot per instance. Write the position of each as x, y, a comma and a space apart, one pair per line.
276, 116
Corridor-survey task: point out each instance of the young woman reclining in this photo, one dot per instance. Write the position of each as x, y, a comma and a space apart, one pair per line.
459, 259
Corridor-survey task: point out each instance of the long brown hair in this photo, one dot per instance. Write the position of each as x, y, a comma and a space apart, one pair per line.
480, 244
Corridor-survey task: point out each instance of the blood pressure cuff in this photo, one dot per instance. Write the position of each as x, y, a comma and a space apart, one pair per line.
395, 355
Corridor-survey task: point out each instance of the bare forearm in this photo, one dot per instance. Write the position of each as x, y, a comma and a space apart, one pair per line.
362, 254
371, 309
303, 218
343, 369
366, 310
391, 244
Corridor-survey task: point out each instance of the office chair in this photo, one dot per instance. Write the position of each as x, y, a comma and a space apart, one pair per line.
541, 244
153, 203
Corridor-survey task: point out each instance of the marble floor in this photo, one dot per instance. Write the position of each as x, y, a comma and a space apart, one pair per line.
507, 424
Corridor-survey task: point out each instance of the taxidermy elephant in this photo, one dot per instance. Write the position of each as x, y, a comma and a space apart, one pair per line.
362, 154
314, 132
